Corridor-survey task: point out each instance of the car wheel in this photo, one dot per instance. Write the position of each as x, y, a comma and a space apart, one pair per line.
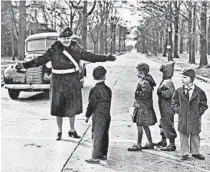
14, 94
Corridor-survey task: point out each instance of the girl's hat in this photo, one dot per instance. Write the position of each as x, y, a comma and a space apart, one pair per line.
189, 72
99, 72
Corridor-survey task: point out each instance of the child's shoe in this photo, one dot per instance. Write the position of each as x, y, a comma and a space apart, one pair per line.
169, 148
148, 146
162, 143
59, 136
134, 148
93, 161
184, 157
198, 156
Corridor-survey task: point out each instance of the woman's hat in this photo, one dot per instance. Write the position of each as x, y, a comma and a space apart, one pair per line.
66, 33
99, 72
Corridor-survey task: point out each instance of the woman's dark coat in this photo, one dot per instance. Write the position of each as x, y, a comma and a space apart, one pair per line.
66, 96
189, 111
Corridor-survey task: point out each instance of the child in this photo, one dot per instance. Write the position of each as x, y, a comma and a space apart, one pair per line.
144, 103
99, 106
165, 92
190, 103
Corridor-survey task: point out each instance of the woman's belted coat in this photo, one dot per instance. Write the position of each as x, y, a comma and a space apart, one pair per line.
66, 95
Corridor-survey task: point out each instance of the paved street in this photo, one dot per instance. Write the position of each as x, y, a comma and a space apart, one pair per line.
28, 130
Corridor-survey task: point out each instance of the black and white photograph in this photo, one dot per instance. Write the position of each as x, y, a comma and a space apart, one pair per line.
105, 85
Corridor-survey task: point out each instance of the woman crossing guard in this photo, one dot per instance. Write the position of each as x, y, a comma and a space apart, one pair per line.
66, 96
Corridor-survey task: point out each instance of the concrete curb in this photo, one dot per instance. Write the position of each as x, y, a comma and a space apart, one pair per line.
180, 69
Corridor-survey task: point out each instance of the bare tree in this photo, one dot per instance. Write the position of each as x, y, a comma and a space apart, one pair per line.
176, 28
203, 42
194, 34
22, 30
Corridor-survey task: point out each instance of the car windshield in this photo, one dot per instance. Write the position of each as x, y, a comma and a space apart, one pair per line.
39, 44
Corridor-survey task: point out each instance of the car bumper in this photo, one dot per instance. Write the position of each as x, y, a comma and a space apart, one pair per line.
27, 86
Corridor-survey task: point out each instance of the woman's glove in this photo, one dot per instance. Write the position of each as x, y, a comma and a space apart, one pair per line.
19, 66
86, 120
159, 91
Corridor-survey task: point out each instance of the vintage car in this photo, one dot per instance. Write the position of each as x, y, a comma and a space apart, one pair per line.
38, 78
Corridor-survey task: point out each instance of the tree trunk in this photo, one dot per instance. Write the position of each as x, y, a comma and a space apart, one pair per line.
181, 44
165, 45
176, 30
194, 34
203, 42
209, 38
190, 31
84, 26
160, 50
105, 37
13, 42
120, 35
101, 41
22, 30
170, 58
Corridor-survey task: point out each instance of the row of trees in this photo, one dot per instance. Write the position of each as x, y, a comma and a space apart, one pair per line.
170, 25
94, 21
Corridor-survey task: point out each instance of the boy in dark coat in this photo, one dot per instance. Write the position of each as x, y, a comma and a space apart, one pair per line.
190, 103
99, 107
165, 92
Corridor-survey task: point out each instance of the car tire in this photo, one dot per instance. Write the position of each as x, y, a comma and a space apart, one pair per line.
14, 94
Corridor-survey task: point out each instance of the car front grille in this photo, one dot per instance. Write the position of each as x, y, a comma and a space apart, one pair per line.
34, 75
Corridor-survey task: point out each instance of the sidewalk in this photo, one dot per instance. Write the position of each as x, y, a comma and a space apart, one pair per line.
123, 133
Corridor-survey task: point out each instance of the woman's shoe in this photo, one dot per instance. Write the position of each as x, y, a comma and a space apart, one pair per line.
59, 136
148, 146
134, 148
74, 134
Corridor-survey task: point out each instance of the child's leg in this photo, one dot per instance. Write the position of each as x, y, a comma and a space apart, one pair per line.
148, 134
194, 144
99, 130
140, 134
163, 142
105, 141
184, 144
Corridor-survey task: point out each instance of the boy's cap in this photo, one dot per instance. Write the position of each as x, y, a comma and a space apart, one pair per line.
66, 33
189, 72
99, 72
